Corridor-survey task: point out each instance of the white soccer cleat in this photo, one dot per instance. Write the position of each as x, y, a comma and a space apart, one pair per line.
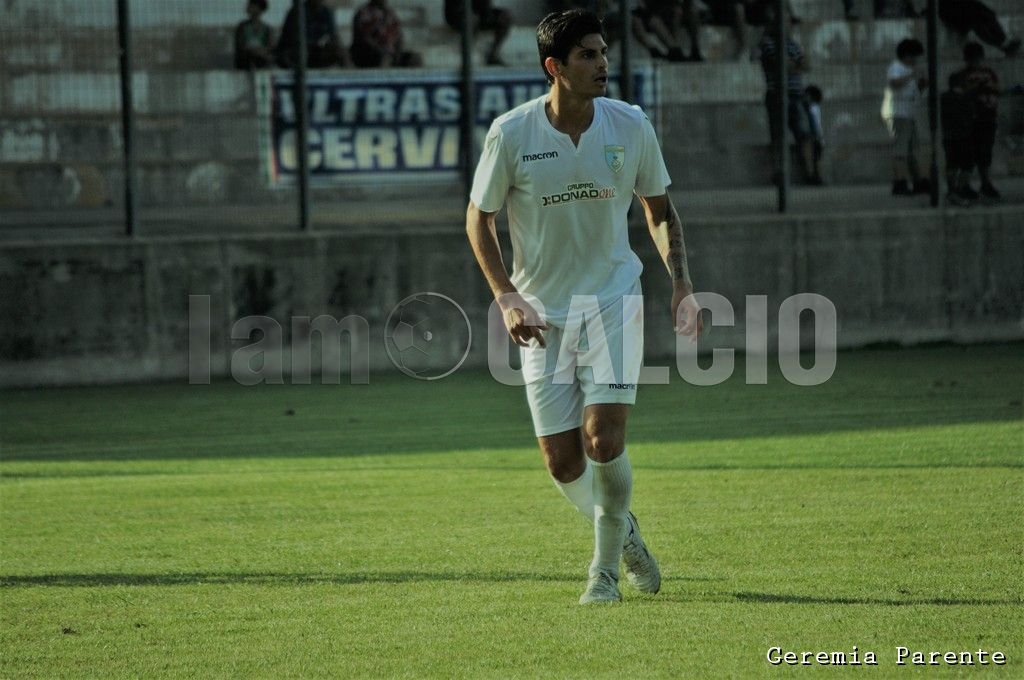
601, 589
641, 568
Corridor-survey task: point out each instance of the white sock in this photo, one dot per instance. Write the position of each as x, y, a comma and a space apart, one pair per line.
613, 486
580, 491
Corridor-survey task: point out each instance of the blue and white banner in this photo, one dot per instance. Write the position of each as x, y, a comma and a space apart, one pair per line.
391, 125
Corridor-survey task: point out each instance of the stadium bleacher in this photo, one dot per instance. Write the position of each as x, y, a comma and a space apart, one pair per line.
198, 127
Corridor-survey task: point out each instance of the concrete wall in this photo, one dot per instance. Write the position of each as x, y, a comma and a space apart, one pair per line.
114, 310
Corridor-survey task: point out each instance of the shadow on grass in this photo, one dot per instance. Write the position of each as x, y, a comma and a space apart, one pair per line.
870, 390
403, 577
287, 579
773, 598
829, 464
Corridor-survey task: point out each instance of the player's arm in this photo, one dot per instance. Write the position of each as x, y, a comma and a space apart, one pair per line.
667, 232
521, 320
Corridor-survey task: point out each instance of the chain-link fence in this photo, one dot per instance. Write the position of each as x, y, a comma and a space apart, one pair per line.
60, 132
216, 124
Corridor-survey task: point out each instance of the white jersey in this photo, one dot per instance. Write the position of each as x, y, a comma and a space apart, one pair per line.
903, 99
567, 204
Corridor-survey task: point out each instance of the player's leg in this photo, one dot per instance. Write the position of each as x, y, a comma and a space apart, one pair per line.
800, 126
900, 152
772, 102
570, 469
921, 183
739, 28
556, 406
691, 19
608, 397
603, 436
616, 530
604, 443
984, 139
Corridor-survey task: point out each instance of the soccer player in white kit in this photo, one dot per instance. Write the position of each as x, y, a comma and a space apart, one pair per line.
567, 165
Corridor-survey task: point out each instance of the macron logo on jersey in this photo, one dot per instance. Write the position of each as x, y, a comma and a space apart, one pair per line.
542, 156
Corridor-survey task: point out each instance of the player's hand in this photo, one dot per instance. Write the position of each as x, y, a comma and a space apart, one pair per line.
686, 312
521, 320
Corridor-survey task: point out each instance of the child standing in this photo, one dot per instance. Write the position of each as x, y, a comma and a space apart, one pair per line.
899, 110
981, 84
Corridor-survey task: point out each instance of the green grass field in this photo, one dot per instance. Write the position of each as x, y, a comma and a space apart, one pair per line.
409, 529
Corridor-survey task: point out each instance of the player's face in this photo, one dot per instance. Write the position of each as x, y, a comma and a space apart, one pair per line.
585, 71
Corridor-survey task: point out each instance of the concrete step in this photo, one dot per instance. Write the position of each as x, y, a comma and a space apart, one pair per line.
208, 182
215, 92
200, 47
62, 15
698, 155
188, 138
58, 14
816, 10
430, 214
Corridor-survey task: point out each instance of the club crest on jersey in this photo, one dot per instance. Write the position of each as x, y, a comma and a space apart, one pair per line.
615, 156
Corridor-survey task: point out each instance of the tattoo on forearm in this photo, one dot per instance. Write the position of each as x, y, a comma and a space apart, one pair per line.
675, 254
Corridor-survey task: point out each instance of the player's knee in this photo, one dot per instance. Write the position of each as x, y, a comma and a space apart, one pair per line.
603, 444
565, 470
564, 466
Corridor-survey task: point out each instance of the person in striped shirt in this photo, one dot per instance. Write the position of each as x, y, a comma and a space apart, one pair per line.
797, 116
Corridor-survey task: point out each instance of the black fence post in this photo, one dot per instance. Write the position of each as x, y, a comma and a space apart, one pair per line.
933, 95
781, 111
625, 44
124, 39
301, 114
468, 108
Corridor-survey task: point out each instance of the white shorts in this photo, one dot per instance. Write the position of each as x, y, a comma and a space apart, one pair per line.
594, 359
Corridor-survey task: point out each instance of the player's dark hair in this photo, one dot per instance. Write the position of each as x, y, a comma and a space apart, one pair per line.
974, 52
559, 32
813, 92
909, 47
262, 4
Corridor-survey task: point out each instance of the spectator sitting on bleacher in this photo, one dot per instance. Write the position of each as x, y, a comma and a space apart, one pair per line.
960, 16
731, 13
377, 40
665, 19
486, 17
739, 14
966, 16
254, 40
323, 49
981, 84
657, 44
